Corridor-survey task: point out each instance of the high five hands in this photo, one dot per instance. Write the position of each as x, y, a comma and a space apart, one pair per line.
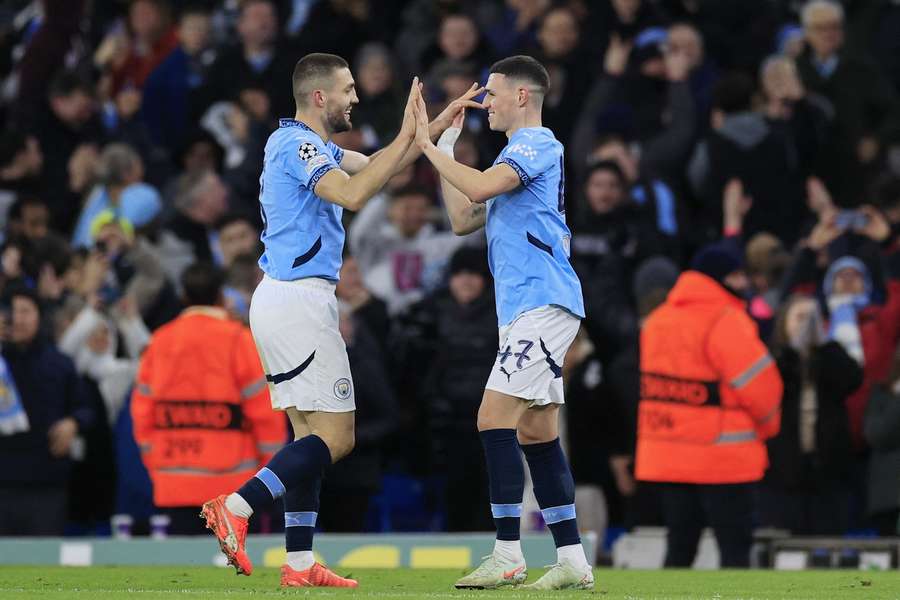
415, 116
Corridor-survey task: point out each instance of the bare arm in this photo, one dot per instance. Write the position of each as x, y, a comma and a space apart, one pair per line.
465, 215
354, 162
352, 192
477, 186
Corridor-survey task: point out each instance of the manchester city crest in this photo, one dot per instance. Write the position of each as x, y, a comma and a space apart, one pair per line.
342, 388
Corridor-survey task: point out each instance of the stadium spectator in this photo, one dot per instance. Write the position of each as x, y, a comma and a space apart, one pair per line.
201, 410
257, 63
710, 397
560, 51
642, 95
349, 484
200, 199
882, 431
377, 116
771, 153
21, 163
237, 235
458, 39
613, 235
402, 260
41, 385
449, 344
132, 50
866, 106
29, 218
653, 193
65, 131
120, 190
804, 488
169, 102
367, 309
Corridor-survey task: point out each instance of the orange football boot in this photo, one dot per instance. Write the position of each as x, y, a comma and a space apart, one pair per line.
231, 532
317, 575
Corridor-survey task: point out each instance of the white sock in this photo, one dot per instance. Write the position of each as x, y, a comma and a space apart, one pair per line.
509, 550
238, 506
573, 554
300, 561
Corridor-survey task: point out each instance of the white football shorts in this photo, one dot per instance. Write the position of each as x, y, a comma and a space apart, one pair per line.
295, 327
530, 358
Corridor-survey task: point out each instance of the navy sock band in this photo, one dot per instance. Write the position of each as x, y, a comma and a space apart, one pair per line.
301, 509
507, 480
296, 463
554, 490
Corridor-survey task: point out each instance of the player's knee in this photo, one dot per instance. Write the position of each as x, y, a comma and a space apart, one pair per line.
535, 433
339, 445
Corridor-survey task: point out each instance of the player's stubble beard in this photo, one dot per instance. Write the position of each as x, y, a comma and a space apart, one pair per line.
337, 122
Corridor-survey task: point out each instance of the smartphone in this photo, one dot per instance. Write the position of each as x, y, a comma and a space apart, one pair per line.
851, 219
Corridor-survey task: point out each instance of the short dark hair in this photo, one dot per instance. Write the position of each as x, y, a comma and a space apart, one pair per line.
312, 68
733, 93
524, 67
17, 207
202, 284
12, 142
412, 189
66, 83
607, 165
235, 217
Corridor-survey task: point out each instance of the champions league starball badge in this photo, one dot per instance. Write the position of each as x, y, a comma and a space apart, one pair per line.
307, 151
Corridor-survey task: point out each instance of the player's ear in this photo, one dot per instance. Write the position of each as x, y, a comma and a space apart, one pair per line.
523, 96
319, 99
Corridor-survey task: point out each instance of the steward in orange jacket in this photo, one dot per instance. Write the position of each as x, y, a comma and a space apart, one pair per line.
201, 409
710, 396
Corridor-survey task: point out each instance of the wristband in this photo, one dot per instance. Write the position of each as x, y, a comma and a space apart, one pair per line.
448, 140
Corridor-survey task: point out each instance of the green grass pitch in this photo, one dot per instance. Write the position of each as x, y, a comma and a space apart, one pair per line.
152, 583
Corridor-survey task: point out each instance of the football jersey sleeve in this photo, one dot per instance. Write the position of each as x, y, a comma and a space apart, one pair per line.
309, 158
336, 151
530, 154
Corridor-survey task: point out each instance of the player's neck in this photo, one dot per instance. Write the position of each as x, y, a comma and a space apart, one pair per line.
526, 120
315, 123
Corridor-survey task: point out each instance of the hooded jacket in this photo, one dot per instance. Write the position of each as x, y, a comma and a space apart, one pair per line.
710, 392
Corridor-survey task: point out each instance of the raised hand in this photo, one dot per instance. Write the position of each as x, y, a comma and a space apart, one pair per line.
617, 53
452, 110
423, 138
408, 127
735, 204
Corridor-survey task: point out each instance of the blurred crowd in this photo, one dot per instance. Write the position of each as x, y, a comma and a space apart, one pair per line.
132, 147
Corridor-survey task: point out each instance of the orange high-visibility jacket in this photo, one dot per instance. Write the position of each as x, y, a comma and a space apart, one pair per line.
710, 391
201, 409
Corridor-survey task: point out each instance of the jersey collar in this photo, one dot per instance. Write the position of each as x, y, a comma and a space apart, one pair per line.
294, 123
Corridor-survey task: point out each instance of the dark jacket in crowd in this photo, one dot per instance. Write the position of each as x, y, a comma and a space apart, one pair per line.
834, 376
865, 104
463, 342
231, 74
882, 431
376, 410
772, 158
606, 250
50, 389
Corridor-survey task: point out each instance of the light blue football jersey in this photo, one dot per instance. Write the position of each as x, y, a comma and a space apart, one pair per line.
302, 233
528, 239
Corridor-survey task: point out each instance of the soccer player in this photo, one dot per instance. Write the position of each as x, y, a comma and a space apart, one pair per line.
519, 200
305, 184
